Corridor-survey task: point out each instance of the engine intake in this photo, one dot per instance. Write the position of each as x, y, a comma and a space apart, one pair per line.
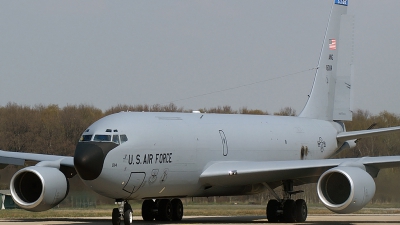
38, 188
345, 189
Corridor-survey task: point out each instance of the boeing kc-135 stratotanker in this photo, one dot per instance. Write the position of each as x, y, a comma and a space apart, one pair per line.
162, 157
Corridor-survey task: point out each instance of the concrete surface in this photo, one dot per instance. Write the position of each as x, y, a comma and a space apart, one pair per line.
361, 219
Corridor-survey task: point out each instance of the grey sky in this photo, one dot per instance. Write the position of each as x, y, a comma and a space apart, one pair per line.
104, 53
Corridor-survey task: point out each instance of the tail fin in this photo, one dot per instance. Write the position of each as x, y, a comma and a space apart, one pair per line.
330, 95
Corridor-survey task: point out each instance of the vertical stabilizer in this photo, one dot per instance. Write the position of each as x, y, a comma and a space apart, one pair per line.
321, 102
345, 68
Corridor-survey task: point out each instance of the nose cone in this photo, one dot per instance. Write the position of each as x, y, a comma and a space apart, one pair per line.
89, 158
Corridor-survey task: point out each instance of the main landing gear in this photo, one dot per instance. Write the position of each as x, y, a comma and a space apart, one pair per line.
286, 209
122, 213
162, 210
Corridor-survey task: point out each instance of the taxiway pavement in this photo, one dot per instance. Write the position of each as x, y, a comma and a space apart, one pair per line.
331, 219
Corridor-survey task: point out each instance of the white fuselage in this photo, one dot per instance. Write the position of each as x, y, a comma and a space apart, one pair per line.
166, 152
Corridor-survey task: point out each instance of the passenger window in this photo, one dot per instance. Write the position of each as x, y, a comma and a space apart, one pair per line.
116, 139
124, 138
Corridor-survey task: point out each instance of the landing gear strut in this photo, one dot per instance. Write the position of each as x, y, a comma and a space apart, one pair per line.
162, 210
122, 213
286, 209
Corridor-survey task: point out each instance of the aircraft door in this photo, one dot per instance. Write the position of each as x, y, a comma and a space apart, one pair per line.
224, 143
134, 182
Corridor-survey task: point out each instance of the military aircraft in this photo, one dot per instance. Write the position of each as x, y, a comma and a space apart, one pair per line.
162, 157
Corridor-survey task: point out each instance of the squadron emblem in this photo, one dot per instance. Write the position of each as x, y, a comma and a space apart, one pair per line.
321, 144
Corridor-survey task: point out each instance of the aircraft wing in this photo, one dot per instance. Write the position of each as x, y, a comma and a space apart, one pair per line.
19, 158
300, 171
351, 135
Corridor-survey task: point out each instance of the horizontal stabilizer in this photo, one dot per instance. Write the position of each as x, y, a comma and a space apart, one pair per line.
351, 135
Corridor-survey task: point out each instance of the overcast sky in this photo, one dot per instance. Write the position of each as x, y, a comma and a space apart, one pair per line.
105, 53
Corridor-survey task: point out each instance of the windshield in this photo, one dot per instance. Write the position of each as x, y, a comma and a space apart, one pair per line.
102, 137
117, 139
86, 137
124, 138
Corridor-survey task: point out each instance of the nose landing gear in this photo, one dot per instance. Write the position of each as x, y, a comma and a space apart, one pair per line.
122, 213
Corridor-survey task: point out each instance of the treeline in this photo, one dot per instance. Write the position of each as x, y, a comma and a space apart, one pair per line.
388, 144
56, 130
44, 129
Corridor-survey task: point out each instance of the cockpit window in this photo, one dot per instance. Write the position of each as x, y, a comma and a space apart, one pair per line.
116, 139
86, 137
101, 137
124, 138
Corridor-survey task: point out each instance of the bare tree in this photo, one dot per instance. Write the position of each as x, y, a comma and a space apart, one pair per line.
287, 111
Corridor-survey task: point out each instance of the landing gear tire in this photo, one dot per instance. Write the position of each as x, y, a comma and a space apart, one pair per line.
177, 209
272, 211
147, 210
289, 211
128, 216
164, 210
115, 218
301, 210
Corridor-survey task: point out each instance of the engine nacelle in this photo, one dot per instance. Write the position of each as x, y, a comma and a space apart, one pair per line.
38, 188
345, 189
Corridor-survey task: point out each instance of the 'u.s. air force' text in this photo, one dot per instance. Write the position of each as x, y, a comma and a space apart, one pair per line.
149, 158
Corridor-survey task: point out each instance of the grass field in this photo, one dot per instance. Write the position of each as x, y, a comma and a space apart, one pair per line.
189, 210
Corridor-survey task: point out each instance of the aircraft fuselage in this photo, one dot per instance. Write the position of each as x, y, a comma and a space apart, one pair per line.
166, 152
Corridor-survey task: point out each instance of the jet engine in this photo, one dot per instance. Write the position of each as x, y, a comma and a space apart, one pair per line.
345, 189
38, 188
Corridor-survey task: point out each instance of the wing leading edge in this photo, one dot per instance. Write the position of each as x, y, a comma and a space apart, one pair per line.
19, 158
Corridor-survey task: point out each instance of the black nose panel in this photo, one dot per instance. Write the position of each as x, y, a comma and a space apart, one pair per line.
89, 158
